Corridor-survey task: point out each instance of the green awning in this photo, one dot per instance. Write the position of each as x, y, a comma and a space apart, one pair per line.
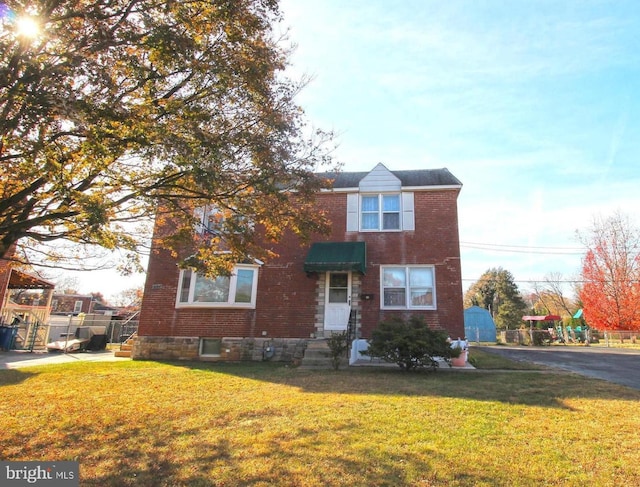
336, 256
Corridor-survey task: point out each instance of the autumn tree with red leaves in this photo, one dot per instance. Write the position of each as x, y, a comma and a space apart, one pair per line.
611, 275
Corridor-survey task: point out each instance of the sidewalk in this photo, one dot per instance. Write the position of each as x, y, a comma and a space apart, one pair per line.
442, 365
16, 359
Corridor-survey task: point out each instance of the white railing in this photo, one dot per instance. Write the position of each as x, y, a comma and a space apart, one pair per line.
26, 314
32, 323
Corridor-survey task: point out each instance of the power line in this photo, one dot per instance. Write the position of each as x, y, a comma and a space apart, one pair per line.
561, 281
523, 246
531, 281
524, 249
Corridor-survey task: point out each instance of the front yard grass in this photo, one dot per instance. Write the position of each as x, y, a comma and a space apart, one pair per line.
261, 424
486, 360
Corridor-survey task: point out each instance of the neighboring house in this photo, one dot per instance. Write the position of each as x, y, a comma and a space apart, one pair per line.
393, 250
88, 304
73, 304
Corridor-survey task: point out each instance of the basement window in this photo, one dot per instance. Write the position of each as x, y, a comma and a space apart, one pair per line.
210, 347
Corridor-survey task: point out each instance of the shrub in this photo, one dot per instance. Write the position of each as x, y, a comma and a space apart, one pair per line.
541, 337
410, 344
338, 345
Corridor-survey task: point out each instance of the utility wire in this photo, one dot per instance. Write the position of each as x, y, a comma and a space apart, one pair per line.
524, 249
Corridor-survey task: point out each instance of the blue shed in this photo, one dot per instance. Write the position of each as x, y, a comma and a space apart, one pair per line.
478, 325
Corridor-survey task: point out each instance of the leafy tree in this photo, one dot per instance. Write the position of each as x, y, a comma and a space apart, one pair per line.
611, 274
129, 298
497, 292
410, 344
120, 109
509, 315
67, 284
550, 297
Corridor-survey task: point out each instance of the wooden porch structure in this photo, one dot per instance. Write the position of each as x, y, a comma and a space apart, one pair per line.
26, 304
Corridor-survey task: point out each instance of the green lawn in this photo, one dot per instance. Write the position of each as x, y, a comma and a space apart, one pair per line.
190, 424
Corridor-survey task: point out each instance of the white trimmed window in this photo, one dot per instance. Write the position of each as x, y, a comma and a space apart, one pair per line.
407, 287
207, 219
236, 291
212, 220
380, 212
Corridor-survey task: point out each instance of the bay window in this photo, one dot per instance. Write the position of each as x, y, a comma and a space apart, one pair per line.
236, 290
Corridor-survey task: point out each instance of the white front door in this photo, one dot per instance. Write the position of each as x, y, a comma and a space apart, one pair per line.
337, 301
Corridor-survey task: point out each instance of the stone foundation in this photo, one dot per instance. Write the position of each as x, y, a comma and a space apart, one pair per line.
165, 348
233, 349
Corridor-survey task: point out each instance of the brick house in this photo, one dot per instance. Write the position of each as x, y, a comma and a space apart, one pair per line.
73, 304
393, 250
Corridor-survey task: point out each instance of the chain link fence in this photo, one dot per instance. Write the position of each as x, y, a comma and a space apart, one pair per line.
526, 336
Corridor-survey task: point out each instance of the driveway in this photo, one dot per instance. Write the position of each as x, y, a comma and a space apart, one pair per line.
618, 365
17, 359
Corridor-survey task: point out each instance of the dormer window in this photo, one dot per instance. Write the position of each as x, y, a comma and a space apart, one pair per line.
380, 212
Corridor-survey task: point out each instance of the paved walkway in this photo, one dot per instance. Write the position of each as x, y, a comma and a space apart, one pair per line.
16, 359
442, 365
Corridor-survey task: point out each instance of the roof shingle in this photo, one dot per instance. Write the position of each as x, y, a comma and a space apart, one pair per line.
411, 178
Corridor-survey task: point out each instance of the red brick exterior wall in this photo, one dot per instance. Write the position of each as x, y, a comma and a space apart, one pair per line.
66, 303
436, 242
286, 301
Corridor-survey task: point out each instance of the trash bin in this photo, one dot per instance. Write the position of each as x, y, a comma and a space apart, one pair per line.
4, 330
12, 337
7, 336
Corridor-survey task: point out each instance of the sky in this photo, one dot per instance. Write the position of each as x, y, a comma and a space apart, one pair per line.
533, 105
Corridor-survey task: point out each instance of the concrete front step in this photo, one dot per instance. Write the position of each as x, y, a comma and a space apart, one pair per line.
318, 356
125, 349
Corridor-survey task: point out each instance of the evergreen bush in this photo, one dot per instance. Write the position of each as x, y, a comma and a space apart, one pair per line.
410, 343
